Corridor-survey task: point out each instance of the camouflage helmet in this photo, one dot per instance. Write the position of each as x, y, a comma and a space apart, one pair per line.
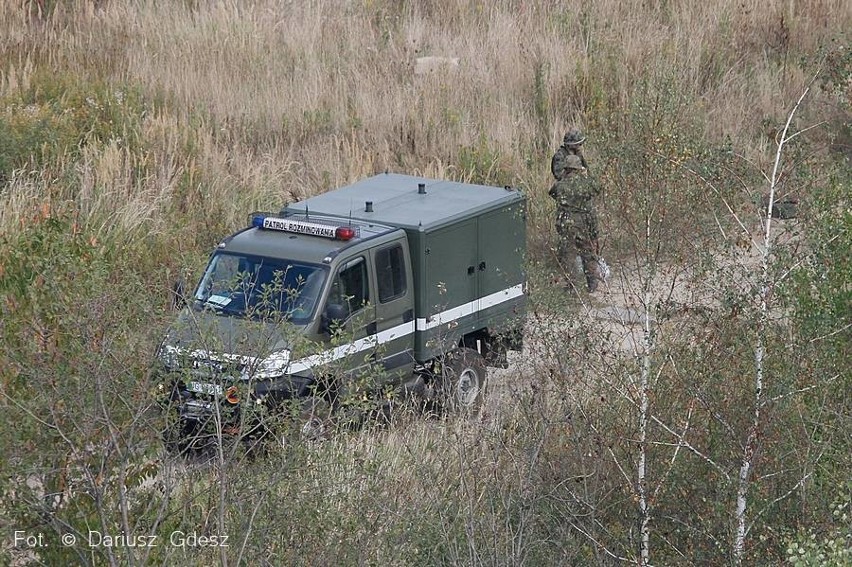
573, 162
573, 138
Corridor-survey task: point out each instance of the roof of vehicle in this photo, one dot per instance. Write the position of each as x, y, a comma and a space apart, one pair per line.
298, 247
396, 201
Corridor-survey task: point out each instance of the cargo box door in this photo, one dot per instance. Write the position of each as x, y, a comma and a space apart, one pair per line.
451, 282
500, 266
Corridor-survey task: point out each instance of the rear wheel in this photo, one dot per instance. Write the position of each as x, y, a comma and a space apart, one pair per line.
463, 380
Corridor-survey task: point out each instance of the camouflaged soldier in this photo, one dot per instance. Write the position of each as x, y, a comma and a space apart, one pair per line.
572, 144
576, 220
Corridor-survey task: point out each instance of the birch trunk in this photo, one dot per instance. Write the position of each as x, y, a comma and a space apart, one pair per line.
644, 510
644, 386
765, 291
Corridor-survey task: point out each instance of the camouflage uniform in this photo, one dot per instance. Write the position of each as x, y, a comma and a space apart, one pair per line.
576, 220
572, 144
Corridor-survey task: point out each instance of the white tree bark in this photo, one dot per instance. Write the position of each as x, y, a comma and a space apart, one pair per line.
644, 386
765, 292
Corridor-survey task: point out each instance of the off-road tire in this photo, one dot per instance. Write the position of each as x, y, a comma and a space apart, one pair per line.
180, 437
314, 420
463, 380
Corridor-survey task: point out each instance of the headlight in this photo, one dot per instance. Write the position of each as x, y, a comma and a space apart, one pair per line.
273, 365
170, 356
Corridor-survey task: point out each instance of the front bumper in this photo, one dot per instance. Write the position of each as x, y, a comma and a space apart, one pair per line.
195, 410
195, 398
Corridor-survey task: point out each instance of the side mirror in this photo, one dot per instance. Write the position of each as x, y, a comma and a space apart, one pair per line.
178, 294
334, 314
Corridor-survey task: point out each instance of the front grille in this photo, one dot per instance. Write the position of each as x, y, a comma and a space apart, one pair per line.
216, 370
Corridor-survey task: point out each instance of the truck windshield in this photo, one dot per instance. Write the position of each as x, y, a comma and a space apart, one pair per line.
259, 287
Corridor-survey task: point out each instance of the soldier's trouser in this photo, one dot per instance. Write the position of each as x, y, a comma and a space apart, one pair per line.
578, 237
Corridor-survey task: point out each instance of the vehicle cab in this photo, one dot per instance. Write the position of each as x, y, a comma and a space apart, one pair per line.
279, 300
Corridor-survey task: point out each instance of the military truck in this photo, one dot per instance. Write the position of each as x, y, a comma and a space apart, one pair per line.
415, 283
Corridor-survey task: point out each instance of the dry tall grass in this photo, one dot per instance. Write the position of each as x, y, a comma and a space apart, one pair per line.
247, 104
290, 99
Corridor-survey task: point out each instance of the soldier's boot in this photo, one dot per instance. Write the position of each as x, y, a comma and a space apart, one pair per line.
577, 269
592, 283
576, 279
593, 276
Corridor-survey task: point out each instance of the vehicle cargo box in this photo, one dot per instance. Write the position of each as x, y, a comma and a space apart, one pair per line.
466, 243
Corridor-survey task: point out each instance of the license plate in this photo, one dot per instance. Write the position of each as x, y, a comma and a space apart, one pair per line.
205, 388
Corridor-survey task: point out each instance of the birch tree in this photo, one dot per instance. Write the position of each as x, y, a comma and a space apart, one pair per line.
765, 300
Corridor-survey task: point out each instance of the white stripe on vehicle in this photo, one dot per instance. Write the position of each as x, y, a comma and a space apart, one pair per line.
354, 347
386, 336
481, 304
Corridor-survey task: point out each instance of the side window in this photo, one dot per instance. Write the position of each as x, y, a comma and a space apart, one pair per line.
390, 271
351, 287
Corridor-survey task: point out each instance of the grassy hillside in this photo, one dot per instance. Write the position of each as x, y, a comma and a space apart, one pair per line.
135, 135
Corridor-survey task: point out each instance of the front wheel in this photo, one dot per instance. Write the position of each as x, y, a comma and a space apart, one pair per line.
463, 380
315, 419
180, 437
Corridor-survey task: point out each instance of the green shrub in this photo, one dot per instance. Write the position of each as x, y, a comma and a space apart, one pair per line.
59, 114
829, 548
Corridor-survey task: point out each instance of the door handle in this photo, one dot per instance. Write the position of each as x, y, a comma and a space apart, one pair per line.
482, 266
470, 270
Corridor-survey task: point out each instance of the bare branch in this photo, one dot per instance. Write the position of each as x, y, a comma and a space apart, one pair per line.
691, 448
600, 546
248, 531
680, 437
765, 296
37, 419
620, 468
719, 225
777, 500
802, 131
777, 163
799, 391
753, 165
831, 334
707, 534
710, 184
677, 446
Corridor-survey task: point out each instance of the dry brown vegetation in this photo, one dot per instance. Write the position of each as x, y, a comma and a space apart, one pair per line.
257, 102
134, 135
